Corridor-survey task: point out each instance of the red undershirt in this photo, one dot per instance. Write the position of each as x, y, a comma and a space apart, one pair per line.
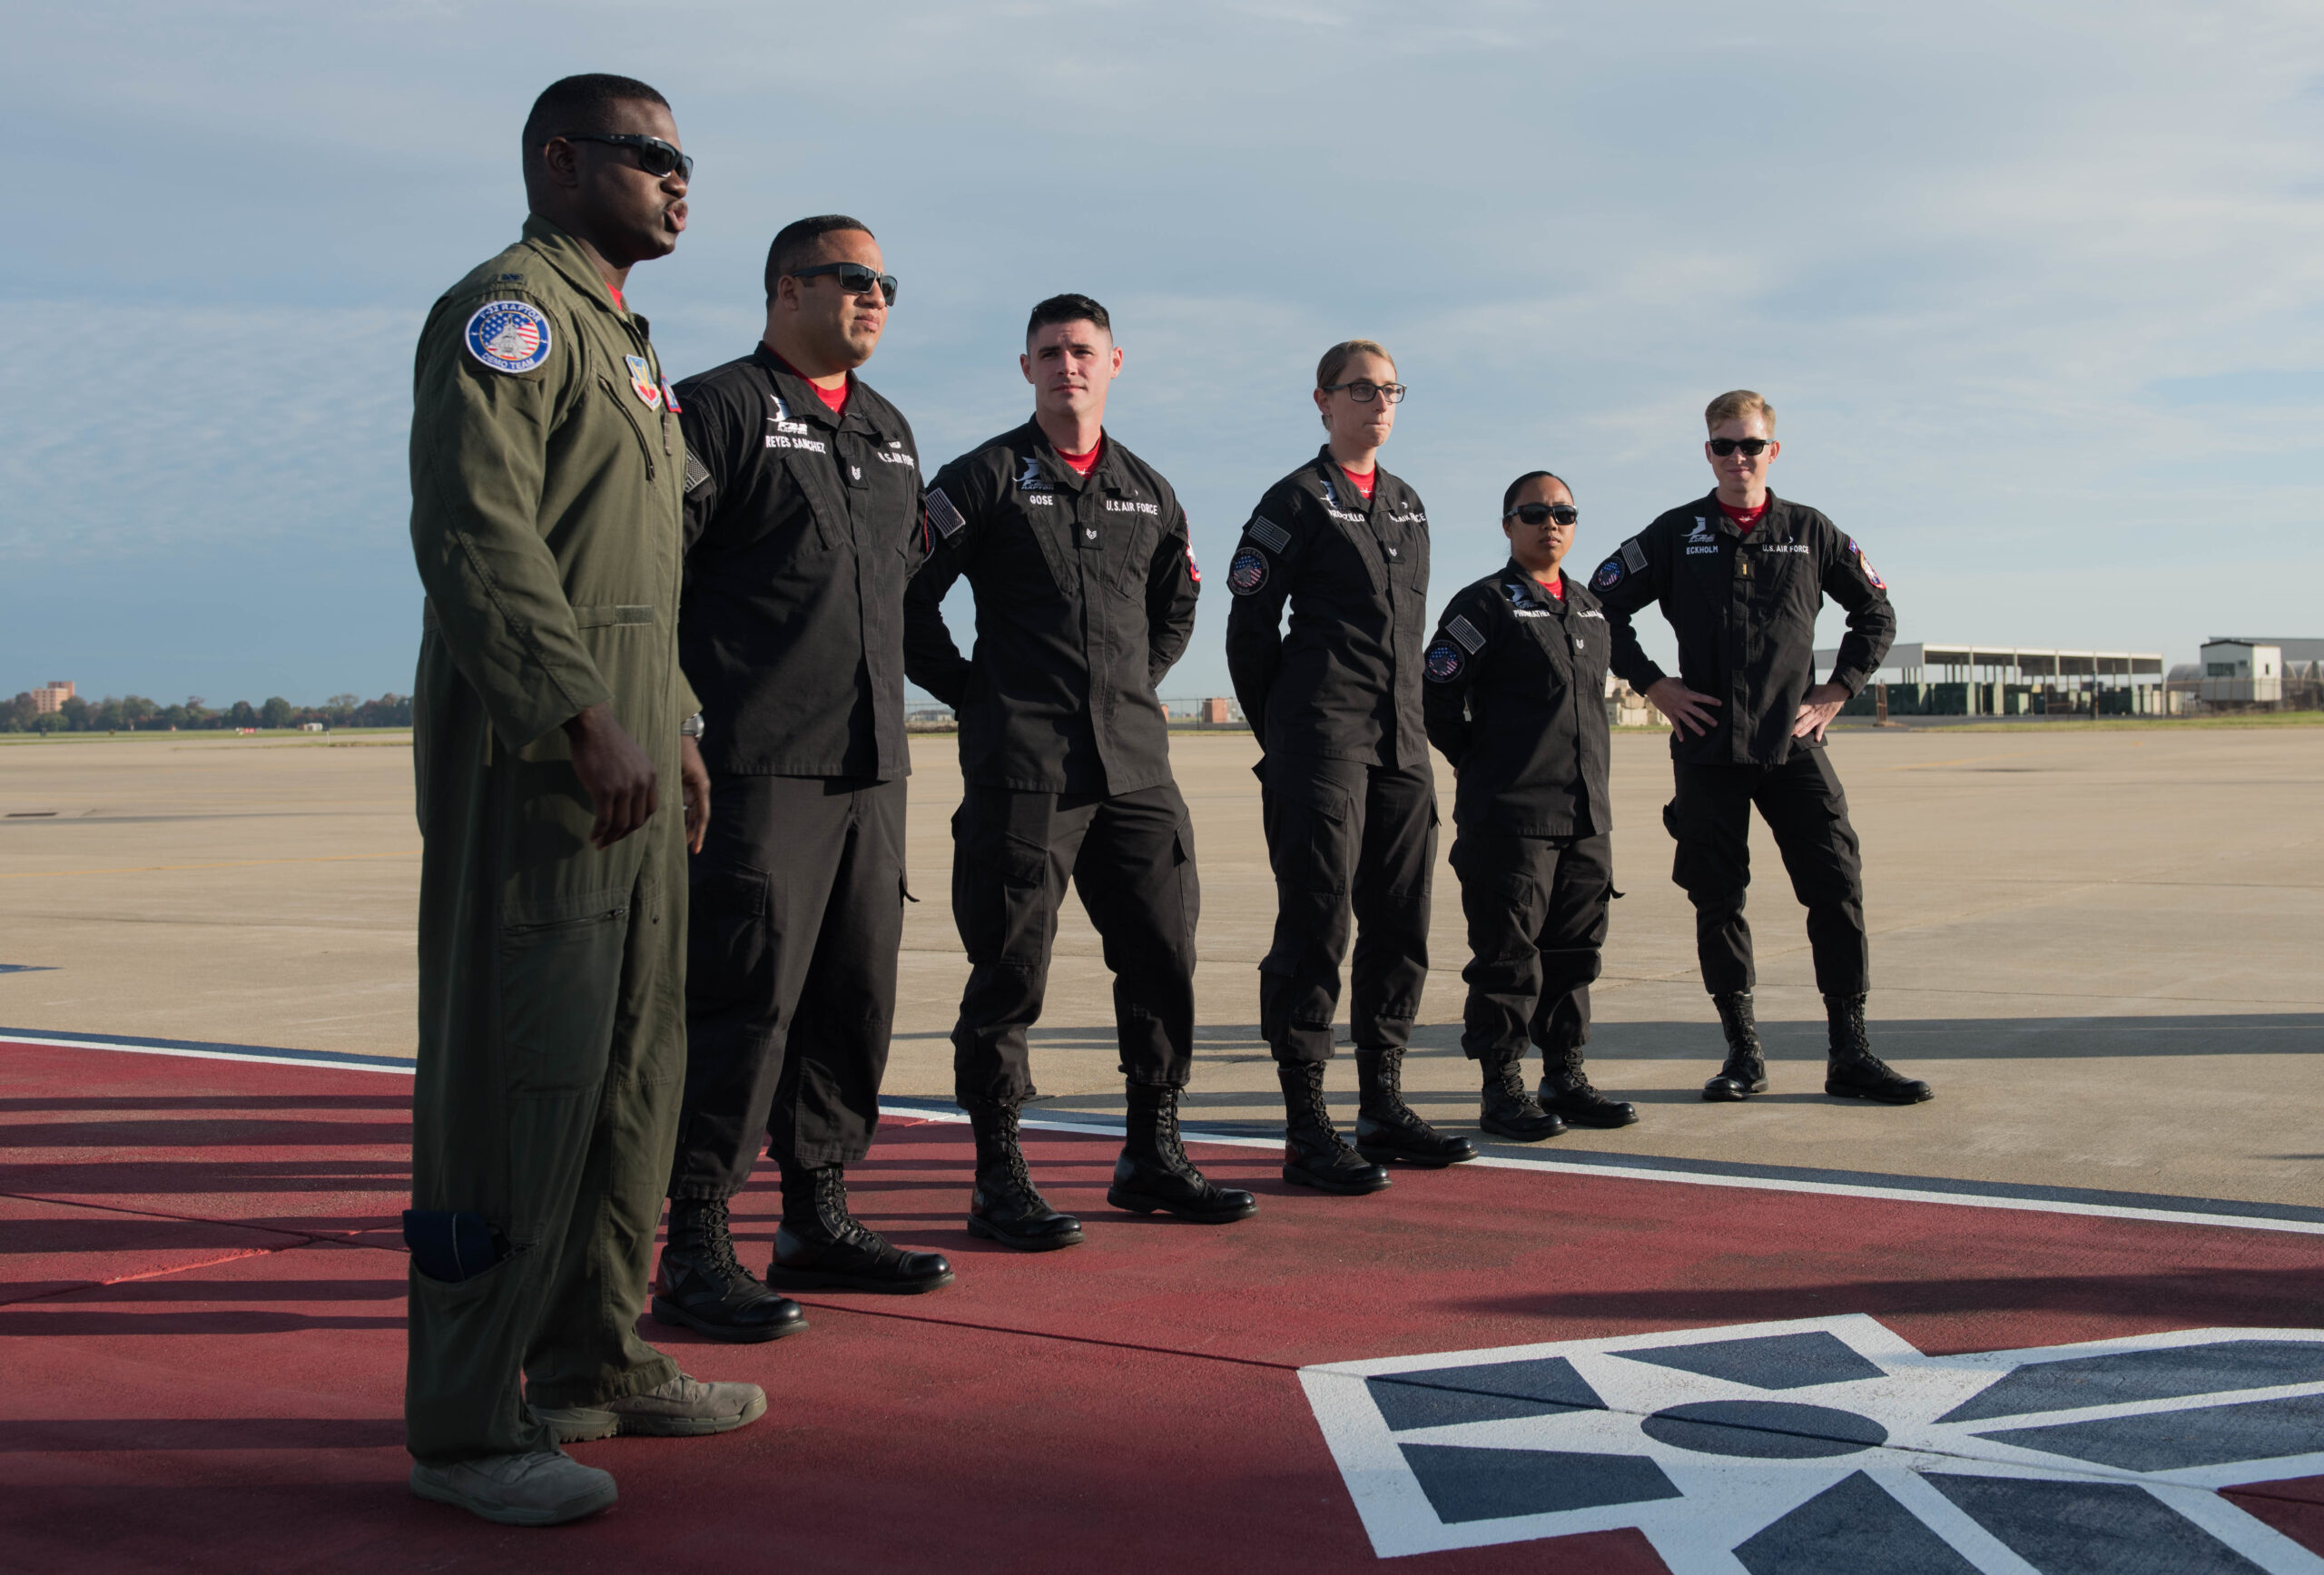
834, 399
1084, 463
1363, 484
1744, 518
619, 304
1556, 587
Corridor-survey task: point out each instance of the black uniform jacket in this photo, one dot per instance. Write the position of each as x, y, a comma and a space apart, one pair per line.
801, 529
1344, 683
1516, 700
1744, 609
1085, 594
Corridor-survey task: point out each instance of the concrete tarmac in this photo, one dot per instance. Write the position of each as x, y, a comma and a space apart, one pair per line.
2101, 948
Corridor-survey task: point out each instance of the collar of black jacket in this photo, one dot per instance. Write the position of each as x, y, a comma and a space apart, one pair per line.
1776, 522
1336, 485
1109, 473
800, 395
1577, 595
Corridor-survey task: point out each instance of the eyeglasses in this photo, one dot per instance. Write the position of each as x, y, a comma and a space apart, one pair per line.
1363, 393
654, 157
854, 278
1534, 513
1752, 447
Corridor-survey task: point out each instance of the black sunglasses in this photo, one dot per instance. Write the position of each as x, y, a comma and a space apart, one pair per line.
654, 157
854, 278
1752, 447
1362, 393
1534, 513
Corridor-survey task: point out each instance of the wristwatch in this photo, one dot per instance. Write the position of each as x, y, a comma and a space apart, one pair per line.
691, 727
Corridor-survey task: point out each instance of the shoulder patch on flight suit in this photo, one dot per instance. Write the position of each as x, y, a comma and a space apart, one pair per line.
946, 518
1633, 555
1460, 629
508, 336
1444, 661
1267, 533
1609, 575
1248, 572
696, 472
1872, 575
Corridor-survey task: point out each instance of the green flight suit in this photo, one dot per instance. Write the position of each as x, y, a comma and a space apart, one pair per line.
545, 488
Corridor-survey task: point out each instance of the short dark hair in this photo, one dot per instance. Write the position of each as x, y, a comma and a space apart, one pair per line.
795, 242
582, 104
1069, 308
1509, 498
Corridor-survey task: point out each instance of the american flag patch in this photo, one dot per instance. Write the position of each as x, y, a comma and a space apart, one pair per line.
943, 516
1460, 629
696, 472
1634, 555
1267, 533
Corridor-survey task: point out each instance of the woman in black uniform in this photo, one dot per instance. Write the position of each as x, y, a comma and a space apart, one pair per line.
1349, 796
1516, 700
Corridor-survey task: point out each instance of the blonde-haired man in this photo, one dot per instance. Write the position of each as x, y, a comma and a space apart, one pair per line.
1739, 574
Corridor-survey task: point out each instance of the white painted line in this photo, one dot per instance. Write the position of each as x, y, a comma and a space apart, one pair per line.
293, 1059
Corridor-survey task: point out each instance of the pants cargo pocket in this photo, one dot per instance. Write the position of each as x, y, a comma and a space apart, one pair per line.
559, 981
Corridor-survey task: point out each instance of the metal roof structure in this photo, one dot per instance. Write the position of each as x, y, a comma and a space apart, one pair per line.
1960, 662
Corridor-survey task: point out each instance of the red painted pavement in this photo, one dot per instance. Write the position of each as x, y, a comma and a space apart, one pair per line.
201, 1330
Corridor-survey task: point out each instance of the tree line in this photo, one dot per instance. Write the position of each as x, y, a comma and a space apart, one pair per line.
135, 713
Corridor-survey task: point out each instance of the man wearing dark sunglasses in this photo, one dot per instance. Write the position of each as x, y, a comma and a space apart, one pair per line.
1741, 574
802, 523
1085, 586
546, 469
1515, 699
1348, 796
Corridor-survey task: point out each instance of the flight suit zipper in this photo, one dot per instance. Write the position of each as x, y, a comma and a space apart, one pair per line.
644, 448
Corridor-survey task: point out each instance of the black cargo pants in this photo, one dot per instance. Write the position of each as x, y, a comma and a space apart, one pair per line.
1132, 858
1353, 846
1803, 804
796, 916
1537, 914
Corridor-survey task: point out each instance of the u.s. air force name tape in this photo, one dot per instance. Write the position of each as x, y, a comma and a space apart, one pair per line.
943, 516
1267, 533
1633, 555
1460, 629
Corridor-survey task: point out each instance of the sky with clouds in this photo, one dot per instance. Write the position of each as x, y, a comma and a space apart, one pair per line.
2038, 291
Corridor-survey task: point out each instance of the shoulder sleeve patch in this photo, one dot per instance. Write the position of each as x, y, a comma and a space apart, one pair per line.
1633, 555
946, 518
697, 473
1444, 661
1247, 572
1460, 629
508, 336
1267, 533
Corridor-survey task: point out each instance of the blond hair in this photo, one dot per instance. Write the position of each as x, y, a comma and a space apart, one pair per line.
1738, 404
1335, 359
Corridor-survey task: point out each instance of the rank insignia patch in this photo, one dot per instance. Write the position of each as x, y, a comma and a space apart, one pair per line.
1444, 661
640, 381
1248, 572
508, 336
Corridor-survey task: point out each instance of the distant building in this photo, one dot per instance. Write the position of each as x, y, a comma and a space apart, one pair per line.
52, 696
1218, 711
2242, 671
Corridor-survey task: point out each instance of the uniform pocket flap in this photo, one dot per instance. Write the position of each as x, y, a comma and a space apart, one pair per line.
598, 616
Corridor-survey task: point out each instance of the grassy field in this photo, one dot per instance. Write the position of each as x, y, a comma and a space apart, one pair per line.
276, 735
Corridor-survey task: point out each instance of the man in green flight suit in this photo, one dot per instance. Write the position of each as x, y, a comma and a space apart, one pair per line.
545, 477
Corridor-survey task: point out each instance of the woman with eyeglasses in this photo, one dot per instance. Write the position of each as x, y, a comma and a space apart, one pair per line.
1516, 700
1348, 793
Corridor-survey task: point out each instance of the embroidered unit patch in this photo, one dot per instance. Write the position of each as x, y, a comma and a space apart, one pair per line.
508, 336
1871, 574
642, 383
1609, 575
1248, 572
1444, 661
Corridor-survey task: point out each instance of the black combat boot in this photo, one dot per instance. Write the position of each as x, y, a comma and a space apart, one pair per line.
1566, 1092
1006, 1207
1745, 1072
702, 1287
821, 1247
1153, 1174
1854, 1072
1387, 1129
1314, 1153
1509, 1110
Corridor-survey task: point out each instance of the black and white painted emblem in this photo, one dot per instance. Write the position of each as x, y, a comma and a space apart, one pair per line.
1832, 1446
